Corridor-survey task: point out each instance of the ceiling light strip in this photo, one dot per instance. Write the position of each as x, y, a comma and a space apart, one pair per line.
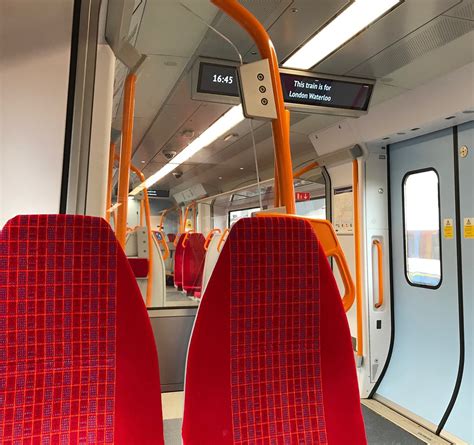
225, 123
346, 25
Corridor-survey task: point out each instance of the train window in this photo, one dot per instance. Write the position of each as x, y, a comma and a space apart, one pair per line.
235, 215
313, 208
422, 228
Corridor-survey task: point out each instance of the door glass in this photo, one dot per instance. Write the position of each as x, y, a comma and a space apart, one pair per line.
422, 235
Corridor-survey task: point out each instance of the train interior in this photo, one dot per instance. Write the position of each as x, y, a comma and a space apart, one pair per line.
288, 245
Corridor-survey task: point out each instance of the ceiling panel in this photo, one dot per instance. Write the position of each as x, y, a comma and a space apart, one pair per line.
164, 22
214, 45
155, 82
463, 11
454, 55
299, 22
437, 33
404, 19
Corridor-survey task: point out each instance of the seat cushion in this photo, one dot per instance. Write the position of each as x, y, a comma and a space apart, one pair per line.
270, 358
139, 267
71, 317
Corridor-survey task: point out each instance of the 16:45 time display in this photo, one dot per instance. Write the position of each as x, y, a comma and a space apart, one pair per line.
219, 78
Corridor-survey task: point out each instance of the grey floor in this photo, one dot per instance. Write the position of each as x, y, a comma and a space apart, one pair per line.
177, 298
379, 431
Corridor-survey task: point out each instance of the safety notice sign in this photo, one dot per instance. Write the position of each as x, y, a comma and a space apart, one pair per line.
448, 228
469, 227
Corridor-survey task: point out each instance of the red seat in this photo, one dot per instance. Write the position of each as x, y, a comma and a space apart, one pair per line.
193, 262
78, 360
139, 267
270, 359
178, 262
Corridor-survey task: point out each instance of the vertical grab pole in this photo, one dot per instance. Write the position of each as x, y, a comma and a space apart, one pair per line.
125, 158
146, 201
108, 202
280, 125
358, 260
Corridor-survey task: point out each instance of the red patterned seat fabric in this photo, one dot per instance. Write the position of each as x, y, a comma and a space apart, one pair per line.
139, 267
270, 359
71, 321
193, 262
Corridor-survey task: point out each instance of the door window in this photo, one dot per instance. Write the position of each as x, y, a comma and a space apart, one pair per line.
422, 228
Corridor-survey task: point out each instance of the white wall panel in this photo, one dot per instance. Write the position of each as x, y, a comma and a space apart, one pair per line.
35, 40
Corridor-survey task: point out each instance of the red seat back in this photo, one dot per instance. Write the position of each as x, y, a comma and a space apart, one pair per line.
193, 262
178, 262
78, 360
139, 267
270, 358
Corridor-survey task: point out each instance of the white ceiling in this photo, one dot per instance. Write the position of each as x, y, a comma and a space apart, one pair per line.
418, 41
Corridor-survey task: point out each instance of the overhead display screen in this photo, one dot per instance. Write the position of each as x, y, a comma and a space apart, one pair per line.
323, 92
218, 79
302, 91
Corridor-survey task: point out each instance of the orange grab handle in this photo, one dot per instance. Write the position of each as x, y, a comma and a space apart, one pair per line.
378, 246
146, 205
186, 236
330, 244
222, 240
209, 237
358, 257
186, 212
166, 249
280, 125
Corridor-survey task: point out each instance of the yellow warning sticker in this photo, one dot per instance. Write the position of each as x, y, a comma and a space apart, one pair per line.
469, 227
448, 228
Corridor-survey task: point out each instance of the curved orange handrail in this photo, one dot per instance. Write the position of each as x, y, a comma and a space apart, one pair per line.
303, 170
110, 176
329, 242
209, 237
193, 206
358, 259
280, 125
125, 158
162, 240
146, 203
186, 236
224, 235
378, 246
165, 213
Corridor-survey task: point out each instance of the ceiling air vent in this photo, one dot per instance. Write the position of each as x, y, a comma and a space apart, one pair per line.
431, 36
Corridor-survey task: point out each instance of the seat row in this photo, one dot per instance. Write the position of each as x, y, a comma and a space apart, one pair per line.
270, 359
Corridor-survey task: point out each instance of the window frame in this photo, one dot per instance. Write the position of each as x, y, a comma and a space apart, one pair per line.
239, 210
405, 239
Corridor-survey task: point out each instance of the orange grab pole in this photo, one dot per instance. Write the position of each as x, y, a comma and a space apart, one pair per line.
358, 257
209, 237
303, 170
279, 125
110, 174
125, 158
222, 240
378, 246
146, 201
